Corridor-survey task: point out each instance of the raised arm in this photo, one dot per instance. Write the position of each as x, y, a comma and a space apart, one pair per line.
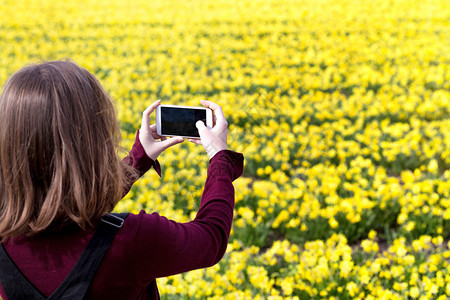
166, 247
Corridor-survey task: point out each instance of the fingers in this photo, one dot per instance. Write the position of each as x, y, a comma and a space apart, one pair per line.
218, 113
195, 141
155, 135
210, 104
147, 112
153, 128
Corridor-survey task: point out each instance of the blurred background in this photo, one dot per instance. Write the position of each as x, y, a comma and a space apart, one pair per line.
341, 109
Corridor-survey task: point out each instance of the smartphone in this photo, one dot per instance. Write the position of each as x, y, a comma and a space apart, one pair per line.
177, 120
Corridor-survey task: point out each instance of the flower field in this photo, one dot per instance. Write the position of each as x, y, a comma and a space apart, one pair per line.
341, 108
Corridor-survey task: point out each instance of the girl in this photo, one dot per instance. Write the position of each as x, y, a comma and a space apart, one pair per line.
60, 174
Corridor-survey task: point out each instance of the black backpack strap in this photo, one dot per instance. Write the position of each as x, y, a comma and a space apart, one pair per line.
14, 284
76, 284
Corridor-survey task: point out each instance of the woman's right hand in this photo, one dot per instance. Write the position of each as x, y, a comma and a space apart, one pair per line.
213, 139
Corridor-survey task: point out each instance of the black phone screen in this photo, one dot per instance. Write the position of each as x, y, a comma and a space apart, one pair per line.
181, 121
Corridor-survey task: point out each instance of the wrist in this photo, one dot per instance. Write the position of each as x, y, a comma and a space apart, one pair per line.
212, 149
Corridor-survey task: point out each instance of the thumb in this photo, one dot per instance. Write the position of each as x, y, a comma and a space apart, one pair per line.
171, 142
159, 147
200, 125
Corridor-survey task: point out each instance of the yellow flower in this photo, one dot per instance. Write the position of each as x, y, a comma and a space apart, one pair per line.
333, 223
410, 226
346, 268
282, 216
432, 166
414, 292
352, 288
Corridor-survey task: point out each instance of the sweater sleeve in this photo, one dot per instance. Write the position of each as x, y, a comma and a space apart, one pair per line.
139, 160
166, 247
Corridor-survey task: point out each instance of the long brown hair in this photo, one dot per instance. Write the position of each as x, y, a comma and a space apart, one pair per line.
59, 160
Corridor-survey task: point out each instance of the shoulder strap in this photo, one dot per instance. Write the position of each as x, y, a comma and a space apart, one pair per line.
14, 284
75, 285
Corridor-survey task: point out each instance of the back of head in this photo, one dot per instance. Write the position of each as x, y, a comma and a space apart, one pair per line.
58, 150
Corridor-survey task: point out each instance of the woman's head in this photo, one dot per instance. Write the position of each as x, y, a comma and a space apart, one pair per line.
58, 149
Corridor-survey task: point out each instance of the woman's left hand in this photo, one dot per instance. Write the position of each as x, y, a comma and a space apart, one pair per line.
153, 143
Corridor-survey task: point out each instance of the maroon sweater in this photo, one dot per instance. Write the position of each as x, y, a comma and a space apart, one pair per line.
148, 246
